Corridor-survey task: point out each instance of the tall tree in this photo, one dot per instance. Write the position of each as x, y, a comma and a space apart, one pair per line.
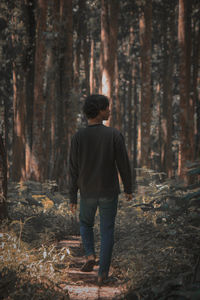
80, 24
118, 118
92, 62
195, 67
19, 41
6, 74
3, 180
29, 23
167, 117
38, 147
65, 113
109, 30
186, 151
130, 91
50, 90
145, 24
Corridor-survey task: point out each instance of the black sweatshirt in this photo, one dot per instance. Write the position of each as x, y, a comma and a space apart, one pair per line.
96, 153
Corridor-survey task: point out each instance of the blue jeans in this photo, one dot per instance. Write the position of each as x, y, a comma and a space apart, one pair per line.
107, 212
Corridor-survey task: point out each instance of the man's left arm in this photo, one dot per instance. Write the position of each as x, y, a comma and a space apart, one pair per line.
123, 165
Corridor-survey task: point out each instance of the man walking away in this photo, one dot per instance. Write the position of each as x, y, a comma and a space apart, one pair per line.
97, 154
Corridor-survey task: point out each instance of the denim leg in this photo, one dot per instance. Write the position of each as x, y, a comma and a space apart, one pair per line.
88, 209
108, 211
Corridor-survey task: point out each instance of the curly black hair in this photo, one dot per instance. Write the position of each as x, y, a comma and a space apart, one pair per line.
93, 104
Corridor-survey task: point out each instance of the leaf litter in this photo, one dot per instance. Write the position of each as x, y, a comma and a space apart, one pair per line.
156, 251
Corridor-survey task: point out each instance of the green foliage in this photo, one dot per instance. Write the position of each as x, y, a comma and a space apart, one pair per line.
30, 255
170, 195
194, 168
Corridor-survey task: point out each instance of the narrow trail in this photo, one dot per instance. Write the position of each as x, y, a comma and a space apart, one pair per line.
82, 285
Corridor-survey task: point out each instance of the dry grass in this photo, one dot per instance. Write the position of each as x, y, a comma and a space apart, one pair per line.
156, 244
29, 254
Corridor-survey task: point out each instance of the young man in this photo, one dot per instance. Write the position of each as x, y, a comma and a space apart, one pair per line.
97, 154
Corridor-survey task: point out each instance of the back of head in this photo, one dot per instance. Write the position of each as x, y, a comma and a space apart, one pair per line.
93, 104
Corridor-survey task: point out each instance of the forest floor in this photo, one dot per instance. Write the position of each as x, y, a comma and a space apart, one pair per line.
156, 253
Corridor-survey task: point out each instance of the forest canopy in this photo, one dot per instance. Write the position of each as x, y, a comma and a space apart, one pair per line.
144, 55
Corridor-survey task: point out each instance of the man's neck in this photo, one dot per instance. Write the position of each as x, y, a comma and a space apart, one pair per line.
95, 121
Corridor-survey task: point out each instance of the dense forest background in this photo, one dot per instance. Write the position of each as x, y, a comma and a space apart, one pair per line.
144, 55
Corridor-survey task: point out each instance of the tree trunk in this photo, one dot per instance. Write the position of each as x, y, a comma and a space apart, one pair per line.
78, 45
186, 151
109, 30
145, 40
135, 134
19, 99
3, 180
65, 114
50, 98
30, 62
167, 115
19, 109
195, 62
54, 79
130, 93
86, 46
118, 121
38, 147
92, 67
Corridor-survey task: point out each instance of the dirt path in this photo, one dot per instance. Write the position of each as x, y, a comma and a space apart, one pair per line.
155, 252
82, 285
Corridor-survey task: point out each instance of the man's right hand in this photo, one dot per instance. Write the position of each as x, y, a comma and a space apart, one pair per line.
73, 207
129, 197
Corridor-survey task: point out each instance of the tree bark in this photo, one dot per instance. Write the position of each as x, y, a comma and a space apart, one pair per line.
109, 30
186, 151
30, 66
86, 46
145, 40
196, 62
135, 133
65, 114
19, 98
3, 180
78, 45
92, 67
167, 114
38, 147
130, 93
118, 121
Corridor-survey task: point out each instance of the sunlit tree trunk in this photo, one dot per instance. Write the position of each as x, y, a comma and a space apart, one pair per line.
92, 67
109, 30
186, 151
86, 52
145, 24
19, 107
105, 55
19, 110
38, 147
